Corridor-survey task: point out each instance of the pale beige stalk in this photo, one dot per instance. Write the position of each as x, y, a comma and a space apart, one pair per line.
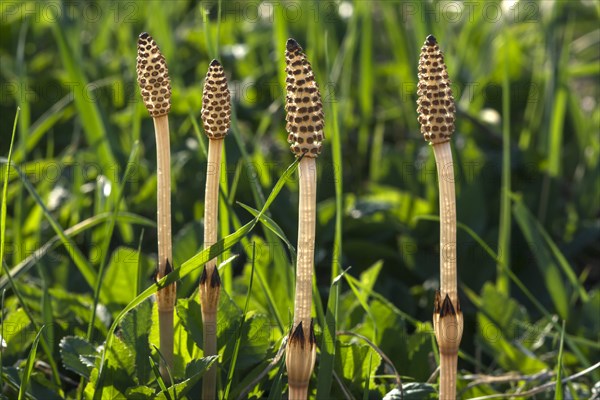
154, 82
436, 116
304, 116
216, 117
307, 170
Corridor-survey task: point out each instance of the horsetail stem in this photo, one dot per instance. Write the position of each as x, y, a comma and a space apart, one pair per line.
436, 116
305, 128
154, 82
216, 117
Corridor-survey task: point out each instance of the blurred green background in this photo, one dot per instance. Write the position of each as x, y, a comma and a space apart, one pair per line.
526, 82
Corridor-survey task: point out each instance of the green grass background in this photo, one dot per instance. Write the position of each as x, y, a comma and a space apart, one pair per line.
526, 82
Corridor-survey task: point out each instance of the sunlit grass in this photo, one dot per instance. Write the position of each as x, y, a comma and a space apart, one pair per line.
526, 154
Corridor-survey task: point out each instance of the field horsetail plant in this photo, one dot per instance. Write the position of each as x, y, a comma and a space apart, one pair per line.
436, 116
305, 127
154, 82
216, 116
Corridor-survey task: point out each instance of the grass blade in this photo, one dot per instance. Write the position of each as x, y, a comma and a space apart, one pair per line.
3, 233
29, 365
89, 274
5, 191
107, 238
158, 376
555, 285
272, 226
502, 282
193, 263
238, 340
539, 306
3, 266
558, 391
88, 111
327, 358
89, 223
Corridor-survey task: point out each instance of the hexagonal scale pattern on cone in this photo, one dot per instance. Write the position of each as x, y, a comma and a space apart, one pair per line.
435, 103
153, 76
216, 102
304, 110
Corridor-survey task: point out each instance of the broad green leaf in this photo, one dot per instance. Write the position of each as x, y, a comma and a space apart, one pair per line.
121, 361
17, 333
190, 315
355, 361
120, 273
140, 393
78, 355
413, 391
368, 279
135, 331
194, 372
186, 243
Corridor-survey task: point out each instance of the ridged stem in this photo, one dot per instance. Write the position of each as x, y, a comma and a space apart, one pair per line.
166, 296
307, 170
445, 170
210, 283
301, 347
298, 392
448, 320
448, 366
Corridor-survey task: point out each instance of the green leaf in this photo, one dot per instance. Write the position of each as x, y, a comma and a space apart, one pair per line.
120, 273
88, 112
368, 279
555, 283
78, 355
190, 315
498, 320
558, 391
327, 347
121, 362
194, 372
140, 393
186, 243
413, 391
16, 332
25, 265
238, 340
272, 226
277, 386
135, 331
29, 365
356, 361
76, 255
